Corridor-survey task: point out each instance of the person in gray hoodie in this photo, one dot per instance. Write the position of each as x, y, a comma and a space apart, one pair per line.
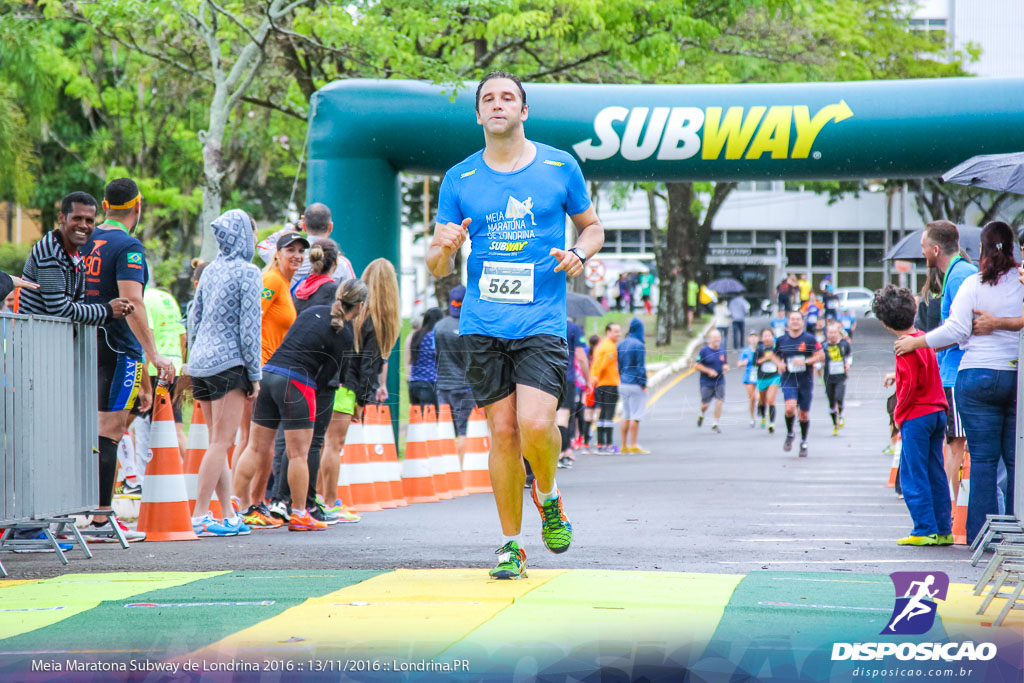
632, 359
224, 358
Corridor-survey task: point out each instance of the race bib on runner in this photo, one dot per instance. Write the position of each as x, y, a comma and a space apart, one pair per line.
836, 367
507, 283
797, 364
769, 367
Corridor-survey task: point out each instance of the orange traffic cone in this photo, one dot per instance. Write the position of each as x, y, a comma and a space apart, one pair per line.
476, 474
963, 495
195, 449
375, 454
394, 468
895, 468
417, 479
360, 471
437, 462
449, 452
164, 514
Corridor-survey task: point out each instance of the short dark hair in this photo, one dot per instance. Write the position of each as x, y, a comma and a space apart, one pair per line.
120, 191
943, 234
77, 197
318, 218
608, 327
500, 74
895, 307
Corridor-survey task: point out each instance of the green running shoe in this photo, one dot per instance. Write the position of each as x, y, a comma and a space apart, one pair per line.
931, 539
944, 539
511, 562
556, 530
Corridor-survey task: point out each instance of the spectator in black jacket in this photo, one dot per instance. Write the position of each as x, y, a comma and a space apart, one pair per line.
58, 269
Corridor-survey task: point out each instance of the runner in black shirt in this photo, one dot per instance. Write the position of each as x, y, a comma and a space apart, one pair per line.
837, 364
768, 379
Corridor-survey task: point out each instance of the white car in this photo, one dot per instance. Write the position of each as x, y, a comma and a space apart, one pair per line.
857, 299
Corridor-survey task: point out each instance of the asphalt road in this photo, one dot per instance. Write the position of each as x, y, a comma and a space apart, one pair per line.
701, 502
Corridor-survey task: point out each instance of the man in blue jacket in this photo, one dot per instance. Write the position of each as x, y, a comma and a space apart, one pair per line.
633, 385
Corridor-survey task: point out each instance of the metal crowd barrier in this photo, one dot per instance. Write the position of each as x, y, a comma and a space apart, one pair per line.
48, 459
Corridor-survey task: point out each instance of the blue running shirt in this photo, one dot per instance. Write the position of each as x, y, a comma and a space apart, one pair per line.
517, 218
111, 254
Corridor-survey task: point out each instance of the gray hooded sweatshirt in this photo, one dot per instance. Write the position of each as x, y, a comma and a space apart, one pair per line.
225, 323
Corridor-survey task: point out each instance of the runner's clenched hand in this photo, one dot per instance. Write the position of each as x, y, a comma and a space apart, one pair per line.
450, 236
567, 261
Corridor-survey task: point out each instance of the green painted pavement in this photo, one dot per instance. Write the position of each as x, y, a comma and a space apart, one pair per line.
112, 628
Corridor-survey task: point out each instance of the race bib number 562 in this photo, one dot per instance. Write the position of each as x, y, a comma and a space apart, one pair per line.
507, 283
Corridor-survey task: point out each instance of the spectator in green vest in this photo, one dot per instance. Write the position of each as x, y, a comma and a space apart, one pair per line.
692, 290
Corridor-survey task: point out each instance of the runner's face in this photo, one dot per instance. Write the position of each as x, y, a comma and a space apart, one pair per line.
77, 227
767, 338
500, 109
795, 324
833, 334
291, 256
714, 339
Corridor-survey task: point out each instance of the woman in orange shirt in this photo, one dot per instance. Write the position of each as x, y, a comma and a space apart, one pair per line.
278, 315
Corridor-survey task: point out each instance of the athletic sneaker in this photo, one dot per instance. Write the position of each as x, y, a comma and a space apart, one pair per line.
752, 424
944, 539
931, 539
256, 518
700, 419
208, 526
556, 530
318, 513
715, 429
346, 515
835, 430
123, 489
302, 521
803, 449
130, 535
511, 562
564, 463
279, 510
763, 423
640, 450
788, 443
239, 525
771, 428
842, 421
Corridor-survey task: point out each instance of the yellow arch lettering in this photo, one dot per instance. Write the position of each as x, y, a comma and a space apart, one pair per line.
773, 135
729, 132
807, 129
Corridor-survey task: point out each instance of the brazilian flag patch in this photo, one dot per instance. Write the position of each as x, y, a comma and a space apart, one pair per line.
268, 293
135, 257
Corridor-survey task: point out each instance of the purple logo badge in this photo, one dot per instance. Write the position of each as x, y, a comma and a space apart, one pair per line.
916, 593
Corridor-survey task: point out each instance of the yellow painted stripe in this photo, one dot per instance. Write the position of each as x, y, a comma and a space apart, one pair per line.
610, 611
407, 614
7, 583
664, 390
53, 600
961, 621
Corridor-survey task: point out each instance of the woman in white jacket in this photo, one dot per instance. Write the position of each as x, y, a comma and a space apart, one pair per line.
986, 385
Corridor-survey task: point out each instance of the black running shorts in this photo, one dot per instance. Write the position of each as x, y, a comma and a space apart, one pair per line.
497, 365
284, 402
220, 385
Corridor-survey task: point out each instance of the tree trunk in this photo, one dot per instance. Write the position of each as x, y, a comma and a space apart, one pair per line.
213, 140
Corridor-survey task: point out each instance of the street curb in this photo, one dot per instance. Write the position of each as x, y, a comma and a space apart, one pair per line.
682, 362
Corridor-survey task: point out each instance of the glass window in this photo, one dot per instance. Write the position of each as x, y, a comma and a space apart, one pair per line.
873, 257
821, 258
717, 237
763, 186
848, 278
796, 237
821, 237
767, 236
740, 237
873, 279
631, 239
849, 258
796, 258
874, 237
611, 239
849, 237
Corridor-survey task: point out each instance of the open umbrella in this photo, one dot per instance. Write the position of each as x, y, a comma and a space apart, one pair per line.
726, 285
582, 306
1002, 172
909, 248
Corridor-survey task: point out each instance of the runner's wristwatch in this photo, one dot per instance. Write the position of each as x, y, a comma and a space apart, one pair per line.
580, 254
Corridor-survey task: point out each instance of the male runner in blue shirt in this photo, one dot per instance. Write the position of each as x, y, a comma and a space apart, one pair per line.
510, 199
798, 350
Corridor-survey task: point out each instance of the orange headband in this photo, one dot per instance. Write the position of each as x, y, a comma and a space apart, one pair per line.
122, 207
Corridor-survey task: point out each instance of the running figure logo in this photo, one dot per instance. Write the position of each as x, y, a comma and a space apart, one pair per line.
916, 592
517, 209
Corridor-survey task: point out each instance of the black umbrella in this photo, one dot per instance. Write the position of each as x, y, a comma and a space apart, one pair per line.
726, 285
909, 248
582, 306
1002, 172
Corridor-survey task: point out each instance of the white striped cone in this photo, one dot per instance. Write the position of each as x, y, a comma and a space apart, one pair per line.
449, 453
438, 465
475, 470
361, 471
164, 513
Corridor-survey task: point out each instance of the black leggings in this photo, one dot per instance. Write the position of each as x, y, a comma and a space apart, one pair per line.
836, 393
606, 397
279, 486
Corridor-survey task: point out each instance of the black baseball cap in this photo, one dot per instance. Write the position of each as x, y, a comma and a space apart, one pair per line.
290, 238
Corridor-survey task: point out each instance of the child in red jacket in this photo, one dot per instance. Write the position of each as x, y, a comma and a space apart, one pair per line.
920, 415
